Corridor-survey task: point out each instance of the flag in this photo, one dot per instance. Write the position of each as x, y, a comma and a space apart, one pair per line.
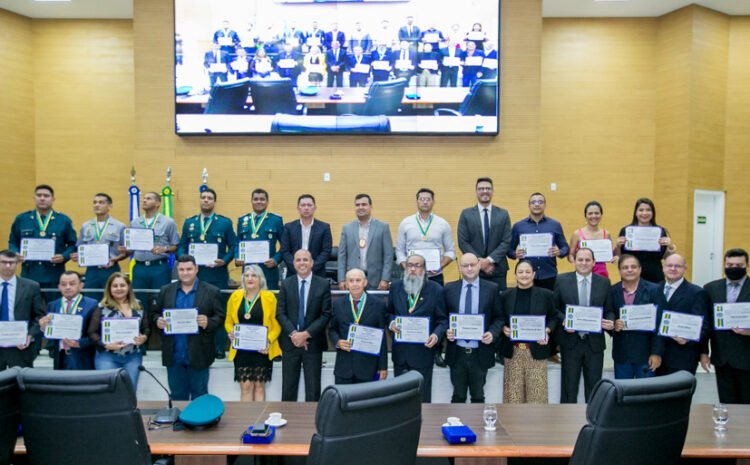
135, 211
166, 206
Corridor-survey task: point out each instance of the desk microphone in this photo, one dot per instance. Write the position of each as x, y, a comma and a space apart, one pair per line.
166, 415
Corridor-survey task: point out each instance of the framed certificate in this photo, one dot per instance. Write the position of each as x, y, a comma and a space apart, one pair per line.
13, 333
204, 254
138, 239
412, 329
37, 250
250, 337
730, 316
467, 326
639, 317
120, 330
602, 249
586, 319
365, 339
93, 255
536, 245
642, 238
62, 326
181, 321
684, 325
528, 328
254, 251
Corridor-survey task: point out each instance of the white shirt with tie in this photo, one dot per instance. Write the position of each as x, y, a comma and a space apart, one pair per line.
670, 288
306, 234
580, 279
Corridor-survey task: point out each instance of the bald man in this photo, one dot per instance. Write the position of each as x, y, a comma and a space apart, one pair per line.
358, 308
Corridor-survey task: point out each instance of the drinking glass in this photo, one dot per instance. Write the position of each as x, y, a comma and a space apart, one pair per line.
721, 417
490, 417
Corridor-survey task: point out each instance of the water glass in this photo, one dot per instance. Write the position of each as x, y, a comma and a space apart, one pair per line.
721, 417
490, 417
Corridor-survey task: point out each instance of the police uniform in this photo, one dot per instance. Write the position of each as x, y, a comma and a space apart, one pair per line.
218, 230
269, 230
109, 233
151, 271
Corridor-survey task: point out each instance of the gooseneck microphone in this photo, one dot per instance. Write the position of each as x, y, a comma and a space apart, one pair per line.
166, 415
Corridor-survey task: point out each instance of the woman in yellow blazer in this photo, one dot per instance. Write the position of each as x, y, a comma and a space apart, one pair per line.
254, 304
315, 66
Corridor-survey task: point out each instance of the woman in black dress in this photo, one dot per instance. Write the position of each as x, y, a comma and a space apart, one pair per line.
644, 215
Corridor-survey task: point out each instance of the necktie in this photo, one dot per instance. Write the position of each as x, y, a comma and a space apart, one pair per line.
301, 315
667, 290
403, 54
583, 293
486, 232
4, 304
468, 309
734, 292
68, 304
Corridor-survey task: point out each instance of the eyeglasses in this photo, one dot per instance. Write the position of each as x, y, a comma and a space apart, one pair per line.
415, 266
674, 267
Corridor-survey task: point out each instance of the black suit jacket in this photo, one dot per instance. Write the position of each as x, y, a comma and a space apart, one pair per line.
431, 304
354, 364
489, 306
691, 299
542, 303
200, 346
29, 306
566, 293
728, 347
470, 235
317, 312
320, 245
637, 346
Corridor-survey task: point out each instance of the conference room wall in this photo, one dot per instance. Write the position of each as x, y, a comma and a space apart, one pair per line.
16, 117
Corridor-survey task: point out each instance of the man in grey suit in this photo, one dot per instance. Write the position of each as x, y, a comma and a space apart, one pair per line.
20, 300
484, 230
366, 244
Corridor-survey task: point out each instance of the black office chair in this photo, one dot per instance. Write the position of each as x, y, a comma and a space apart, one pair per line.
272, 96
332, 266
481, 100
384, 98
10, 415
641, 421
228, 98
373, 423
81, 417
296, 124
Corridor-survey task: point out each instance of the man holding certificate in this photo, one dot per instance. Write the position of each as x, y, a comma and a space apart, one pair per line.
417, 317
21, 307
730, 343
584, 305
357, 329
189, 312
473, 305
66, 324
258, 239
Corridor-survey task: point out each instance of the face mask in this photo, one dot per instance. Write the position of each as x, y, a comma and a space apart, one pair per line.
735, 274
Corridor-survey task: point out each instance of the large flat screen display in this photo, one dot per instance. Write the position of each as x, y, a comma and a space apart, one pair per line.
337, 67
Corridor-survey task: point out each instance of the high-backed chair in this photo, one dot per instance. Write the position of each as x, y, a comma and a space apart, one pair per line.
641, 421
297, 124
371, 423
81, 417
272, 96
10, 416
384, 98
228, 98
481, 100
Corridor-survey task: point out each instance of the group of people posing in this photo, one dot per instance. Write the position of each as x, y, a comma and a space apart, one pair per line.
421, 312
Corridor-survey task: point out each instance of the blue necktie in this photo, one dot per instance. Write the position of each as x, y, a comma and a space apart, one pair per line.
468, 310
486, 232
301, 315
4, 305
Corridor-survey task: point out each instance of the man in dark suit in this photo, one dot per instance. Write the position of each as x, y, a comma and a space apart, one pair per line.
484, 230
20, 300
359, 68
730, 349
71, 354
416, 296
215, 62
334, 35
303, 311
404, 61
685, 297
335, 65
226, 38
582, 351
381, 62
308, 234
357, 309
188, 356
469, 360
450, 58
410, 33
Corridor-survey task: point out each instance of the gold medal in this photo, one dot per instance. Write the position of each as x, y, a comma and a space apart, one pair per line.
42, 233
362, 243
424, 238
203, 237
247, 316
254, 236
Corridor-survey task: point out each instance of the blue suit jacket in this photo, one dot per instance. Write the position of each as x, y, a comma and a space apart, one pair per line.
82, 358
691, 299
328, 39
319, 246
637, 346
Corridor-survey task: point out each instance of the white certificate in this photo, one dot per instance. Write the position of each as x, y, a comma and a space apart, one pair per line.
138, 239
254, 251
181, 320
684, 325
639, 317
62, 326
287, 63
579, 318
431, 37
93, 254
489, 63
263, 66
381, 65
467, 326
536, 245
602, 249
225, 41
529, 328
41, 250
431, 258
250, 337
451, 61
476, 35
362, 68
643, 238
204, 254
474, 60
403, 64
728, 316
13, 333
240, 65
217, 68
313, 40
412, 329
428, 64
120, 330
365, 339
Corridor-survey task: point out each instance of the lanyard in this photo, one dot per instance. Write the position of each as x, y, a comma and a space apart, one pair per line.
413, 301
43, 223
205, 226
152, 223
424, 231
249, 306
100, 232
357, 313
256, 227
73, 306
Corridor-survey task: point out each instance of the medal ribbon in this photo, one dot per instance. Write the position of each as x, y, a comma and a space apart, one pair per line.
43, 223
256, 227
73, 306
357, 314
100, 232
152, 223
424, 231
249, 306
413, 301
204, 226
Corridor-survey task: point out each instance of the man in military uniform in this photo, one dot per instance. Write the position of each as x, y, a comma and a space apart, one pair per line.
210, 228
44, 223
103, 229
262, 225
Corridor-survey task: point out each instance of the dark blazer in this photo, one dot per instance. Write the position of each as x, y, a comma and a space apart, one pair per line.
489, 306
728, 347
317, 312
77, 358
340, 38
319, 246
431, 304
566, 293
29, 306
470, 235
637, 346
542, 303
341, 62
692, 299
413, 38
208, 301
354, 364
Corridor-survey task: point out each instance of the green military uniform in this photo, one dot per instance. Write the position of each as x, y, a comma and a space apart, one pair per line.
264, 227
214, 229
